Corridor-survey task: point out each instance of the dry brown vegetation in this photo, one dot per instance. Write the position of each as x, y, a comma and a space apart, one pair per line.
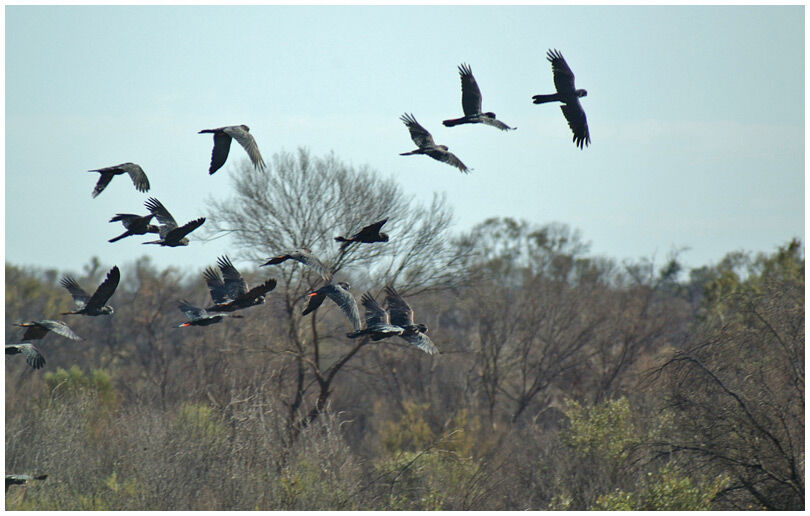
565, 380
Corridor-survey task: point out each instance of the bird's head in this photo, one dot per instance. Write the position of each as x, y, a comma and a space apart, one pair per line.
489, 114
384, 237
107, 310
443, 147
582, 93
344, 285
183, 241
246, 128
421, 327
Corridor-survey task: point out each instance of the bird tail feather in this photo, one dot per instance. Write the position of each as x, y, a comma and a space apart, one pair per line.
454, 121
542, 99
119, 237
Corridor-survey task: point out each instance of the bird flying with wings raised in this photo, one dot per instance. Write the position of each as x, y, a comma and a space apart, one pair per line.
378, 322
232, 293
222, 145
402, 316
569, 96
135, 172
303, 255
170, 234
367, 235
471, 103
339, 293
423, 139
95, 304
135, 225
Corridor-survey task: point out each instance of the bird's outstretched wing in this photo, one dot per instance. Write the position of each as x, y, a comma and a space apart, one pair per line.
235, 284
401, 312
345, 300
191, 312
137, 175
494, 122
35, 330
563, 76
80, 297
32, 355
248, 142
578, 123
421, 341
374, 228
315, 300
215, 284
178, 233
222, 145
305, 256
161, 214
449, 158
420, 136
105, 290
102, 183
470, 93
375, 314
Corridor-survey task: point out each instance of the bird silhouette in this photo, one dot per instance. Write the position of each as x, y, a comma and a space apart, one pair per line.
135, 172
222, 145
339, 293
378, 323
303, 255
199, 316
569, 96
368, 235
170, 234
423, 139
135, 225
35, 330
232, 293
471, 103
402, 316
95, 304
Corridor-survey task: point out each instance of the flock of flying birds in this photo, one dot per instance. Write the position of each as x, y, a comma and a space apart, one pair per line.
229, 291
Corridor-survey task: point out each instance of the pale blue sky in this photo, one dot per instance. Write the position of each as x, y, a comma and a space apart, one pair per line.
696, 116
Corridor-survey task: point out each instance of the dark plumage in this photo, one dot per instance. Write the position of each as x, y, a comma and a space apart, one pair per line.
95, 304
339, 293
22, 479
135, 172
402, 316
471, 103
199, 316
232, 293
170, 234
31, 353
36, 330
222, 145
378, 324
423, 139
368, 235
135, 224
569, 96
305, 256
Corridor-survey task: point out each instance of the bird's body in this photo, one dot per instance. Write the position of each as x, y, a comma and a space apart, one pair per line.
222, 145
302, 255
32, 355
402, 316
471, 103
339, 293
135, 225
12, 480
170, 234
232, 293
199, 316
378, 323
424, 140
95, 304
368, 235
35, 330
569, 96
135, 172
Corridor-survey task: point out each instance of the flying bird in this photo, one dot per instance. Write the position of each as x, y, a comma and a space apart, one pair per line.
222, 144
95, 304
170, 234
31, 354
368, 235
231, 293
305, 256
36, 330
22, 479
422, 138
339, 293
402, 316
378, 323
471, 103
135, 225
135, 172
199, 316
569, 96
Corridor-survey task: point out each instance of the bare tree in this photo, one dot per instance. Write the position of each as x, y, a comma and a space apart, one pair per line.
305, 201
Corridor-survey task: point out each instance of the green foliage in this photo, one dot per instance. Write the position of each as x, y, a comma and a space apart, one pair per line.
410, 432
604, 430
74, 382
198, 424
666, 490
